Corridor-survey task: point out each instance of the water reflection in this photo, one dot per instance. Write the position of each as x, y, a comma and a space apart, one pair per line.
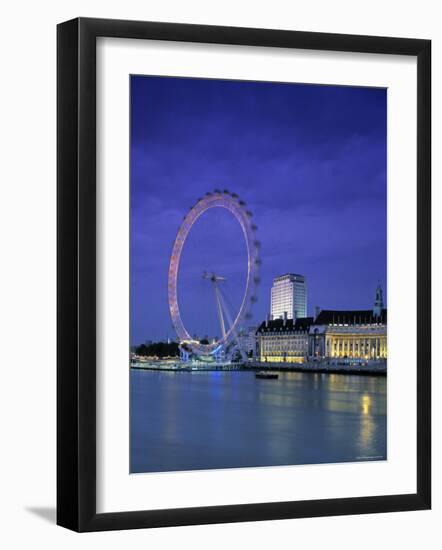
182, 421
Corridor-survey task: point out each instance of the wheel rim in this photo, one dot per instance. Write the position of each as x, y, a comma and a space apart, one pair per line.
236, 207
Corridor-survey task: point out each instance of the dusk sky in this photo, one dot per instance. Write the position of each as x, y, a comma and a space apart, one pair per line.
309, 161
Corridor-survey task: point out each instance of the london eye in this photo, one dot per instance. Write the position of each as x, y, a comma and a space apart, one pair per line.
231, 324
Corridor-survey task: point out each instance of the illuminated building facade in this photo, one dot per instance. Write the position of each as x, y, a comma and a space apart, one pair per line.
360, 334
349, 335
289, 295
283, 340
356, 335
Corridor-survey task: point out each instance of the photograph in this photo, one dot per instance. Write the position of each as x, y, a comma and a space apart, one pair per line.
258, 274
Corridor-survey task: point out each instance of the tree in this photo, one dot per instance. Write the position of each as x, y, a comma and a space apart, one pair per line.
158, 349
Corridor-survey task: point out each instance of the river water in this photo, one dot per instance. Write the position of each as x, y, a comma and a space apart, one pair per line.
204, 420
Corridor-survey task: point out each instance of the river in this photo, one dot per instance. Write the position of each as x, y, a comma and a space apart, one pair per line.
205, 420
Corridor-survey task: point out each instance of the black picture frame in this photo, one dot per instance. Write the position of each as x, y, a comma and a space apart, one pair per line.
77, 287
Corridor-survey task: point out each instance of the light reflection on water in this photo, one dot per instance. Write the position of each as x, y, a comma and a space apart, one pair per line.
193, 421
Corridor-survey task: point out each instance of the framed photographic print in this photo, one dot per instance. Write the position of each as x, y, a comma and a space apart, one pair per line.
243, 274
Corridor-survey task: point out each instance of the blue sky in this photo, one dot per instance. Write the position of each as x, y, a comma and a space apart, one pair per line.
310, 161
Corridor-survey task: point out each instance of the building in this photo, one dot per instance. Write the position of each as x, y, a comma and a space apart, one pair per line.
247, 340
288, 295
356, 334
283, 340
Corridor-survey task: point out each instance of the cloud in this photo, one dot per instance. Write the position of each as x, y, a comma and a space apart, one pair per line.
310, 161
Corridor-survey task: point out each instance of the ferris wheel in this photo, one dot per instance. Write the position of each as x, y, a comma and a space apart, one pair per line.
230, 325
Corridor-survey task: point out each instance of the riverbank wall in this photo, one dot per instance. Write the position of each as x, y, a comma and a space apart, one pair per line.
370, 368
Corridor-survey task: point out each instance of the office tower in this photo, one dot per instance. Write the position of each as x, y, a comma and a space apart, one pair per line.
289, 294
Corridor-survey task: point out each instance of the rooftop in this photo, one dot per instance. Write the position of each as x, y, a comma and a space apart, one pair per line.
325, 317
350, 317
289, 276
301, 324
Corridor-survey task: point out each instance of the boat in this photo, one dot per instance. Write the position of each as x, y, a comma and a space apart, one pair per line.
267, 375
